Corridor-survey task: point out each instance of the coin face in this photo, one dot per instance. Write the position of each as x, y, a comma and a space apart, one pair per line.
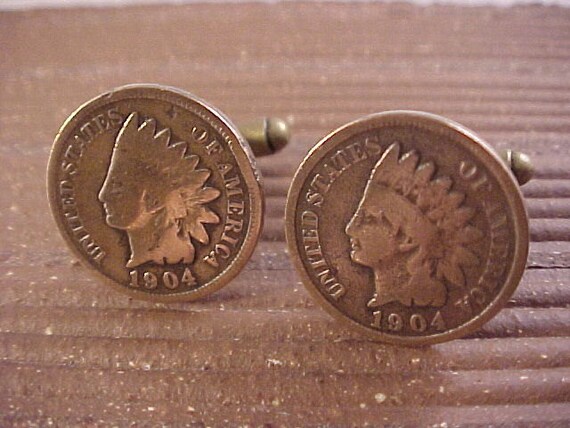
407, 227
157, 191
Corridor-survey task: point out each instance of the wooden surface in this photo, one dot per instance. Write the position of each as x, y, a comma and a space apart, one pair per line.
74, 352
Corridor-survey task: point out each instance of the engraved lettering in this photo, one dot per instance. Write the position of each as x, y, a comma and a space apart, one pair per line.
213, 147
372, 146
71, 215
234, 219
202, 137
357, 152
331, 172
87, 132
320, 183
101, 122
199, 135
310, 220
188, 278
377, 319
336, 165
438, 323
115, 118
315, 258
150, 280
467, 170
236, 208
470, 173
464, 303
395, 322
340, 160
418, 323
478, 295
170, 280
233, 186
134, 279
72, 153
496, 265
314, 198
233, 225
89, 129
68, 167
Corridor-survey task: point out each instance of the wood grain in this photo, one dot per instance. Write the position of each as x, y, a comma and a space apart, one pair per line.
73, 352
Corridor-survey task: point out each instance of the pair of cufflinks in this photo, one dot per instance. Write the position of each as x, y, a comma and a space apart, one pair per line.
404, 225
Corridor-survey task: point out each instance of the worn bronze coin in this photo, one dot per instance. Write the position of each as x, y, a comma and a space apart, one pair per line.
408, 227
157, 191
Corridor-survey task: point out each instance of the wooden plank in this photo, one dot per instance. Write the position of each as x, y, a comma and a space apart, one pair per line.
140, 354
200, 413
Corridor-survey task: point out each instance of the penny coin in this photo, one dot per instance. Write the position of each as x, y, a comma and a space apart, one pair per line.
407, 227
156, 191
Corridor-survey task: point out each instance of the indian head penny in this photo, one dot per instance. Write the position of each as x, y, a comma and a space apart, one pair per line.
156, 191
407, 227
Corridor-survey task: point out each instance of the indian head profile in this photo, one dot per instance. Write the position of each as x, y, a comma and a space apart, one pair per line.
154, 192
413, 231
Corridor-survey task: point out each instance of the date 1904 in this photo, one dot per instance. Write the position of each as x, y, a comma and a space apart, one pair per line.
168, 279
395, 322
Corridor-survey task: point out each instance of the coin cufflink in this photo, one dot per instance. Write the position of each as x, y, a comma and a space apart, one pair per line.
158, 192
408, 227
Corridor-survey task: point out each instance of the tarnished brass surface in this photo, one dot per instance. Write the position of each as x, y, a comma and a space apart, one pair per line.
266, 136
157, 191
408, 227
520, 165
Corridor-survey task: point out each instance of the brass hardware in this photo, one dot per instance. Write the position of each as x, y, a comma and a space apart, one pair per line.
266, 136
519, 164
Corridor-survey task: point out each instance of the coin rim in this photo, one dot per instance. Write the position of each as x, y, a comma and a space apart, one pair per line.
481, 149
241, 152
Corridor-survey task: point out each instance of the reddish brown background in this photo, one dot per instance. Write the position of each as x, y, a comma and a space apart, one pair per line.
260, 352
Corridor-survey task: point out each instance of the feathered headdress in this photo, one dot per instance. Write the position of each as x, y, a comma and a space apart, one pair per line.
169, 170
427, 210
